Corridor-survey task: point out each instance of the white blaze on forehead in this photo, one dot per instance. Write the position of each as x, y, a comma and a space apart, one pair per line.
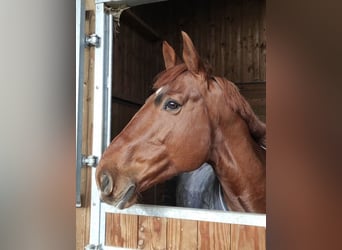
159, 90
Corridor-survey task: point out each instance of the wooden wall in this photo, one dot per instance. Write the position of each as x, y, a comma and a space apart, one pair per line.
136, 61
144, 232
229, 34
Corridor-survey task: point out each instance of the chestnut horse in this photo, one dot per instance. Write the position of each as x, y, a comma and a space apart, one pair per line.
192, 118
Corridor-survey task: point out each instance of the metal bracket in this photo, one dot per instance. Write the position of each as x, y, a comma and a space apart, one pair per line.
83, 160
93, 247
90, 160
93, 40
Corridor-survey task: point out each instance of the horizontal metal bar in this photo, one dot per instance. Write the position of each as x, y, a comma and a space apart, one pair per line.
249, 219
116, 248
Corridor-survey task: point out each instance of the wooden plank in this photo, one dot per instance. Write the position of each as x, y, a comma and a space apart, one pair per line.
152, 232
247, 237
253, 95
135, 63
256, 38
121, 230
213, 236
258, 102
90, 5
243, 42
249, 17
238, 45
262, 40
223, 48
82, 228
181, 234
230, 68
83, 213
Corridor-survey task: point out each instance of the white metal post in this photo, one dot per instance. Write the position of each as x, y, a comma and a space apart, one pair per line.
102, 106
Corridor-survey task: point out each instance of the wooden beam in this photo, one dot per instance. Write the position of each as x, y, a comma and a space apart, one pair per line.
142, 26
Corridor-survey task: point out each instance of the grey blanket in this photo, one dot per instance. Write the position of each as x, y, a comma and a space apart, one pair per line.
200, 189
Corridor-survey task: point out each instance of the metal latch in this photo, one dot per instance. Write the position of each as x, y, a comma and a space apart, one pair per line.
93, 40
90, 160
93, 247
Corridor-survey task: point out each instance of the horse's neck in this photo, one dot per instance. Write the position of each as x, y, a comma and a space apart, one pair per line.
240, 166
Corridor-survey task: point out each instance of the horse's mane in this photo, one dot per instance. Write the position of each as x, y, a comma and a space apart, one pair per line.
234, 99
239, 104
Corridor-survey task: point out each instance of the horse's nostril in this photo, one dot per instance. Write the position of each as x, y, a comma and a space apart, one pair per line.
106, 184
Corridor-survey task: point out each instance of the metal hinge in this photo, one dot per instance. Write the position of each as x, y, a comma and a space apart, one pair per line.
93, 247
90, 160
92, 40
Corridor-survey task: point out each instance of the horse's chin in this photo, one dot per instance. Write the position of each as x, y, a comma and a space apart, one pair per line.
124, 205
127, 199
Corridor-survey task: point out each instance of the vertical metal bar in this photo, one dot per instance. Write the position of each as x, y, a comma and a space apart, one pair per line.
108, 96
102, 236
108, 103
80, 45
97, 123
101, 121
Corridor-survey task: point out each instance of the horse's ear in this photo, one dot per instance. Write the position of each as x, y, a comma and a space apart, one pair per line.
190, 55
169, 55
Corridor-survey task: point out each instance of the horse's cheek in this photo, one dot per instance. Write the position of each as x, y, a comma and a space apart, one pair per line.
194, 149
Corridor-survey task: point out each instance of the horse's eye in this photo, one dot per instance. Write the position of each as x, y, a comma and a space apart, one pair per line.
172, 105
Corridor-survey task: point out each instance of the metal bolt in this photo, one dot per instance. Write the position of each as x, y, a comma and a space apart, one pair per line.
92, 40
90, 161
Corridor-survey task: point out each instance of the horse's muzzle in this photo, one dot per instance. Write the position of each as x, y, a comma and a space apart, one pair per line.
110, 195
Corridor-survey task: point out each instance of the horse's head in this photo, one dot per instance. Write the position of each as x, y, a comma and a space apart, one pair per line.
182, 125
170, 134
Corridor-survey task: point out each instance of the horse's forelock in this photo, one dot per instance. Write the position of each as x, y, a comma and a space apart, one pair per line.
168, 75
239, 104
